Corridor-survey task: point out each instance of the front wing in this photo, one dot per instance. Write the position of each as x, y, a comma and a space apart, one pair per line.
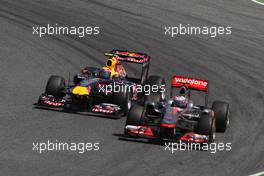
151, 133
60, 104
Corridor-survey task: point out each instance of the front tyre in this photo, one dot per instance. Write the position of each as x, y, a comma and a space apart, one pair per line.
221, 111
134, 116
206, 126
55, 86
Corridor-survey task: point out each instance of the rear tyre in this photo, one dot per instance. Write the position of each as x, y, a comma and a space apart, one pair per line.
221, 110
206, 126
55, 86
159, 95
123, 99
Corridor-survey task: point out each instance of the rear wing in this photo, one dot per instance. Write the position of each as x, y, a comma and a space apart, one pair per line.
127, 56
192, 84
133, 57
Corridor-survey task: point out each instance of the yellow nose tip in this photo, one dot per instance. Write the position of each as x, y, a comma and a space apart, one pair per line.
79, 90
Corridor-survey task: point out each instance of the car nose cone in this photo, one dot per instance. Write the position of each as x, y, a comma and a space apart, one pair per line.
79, 90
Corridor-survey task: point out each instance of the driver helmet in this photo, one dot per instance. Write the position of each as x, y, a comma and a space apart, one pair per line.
112, 62
180, 101
184, 90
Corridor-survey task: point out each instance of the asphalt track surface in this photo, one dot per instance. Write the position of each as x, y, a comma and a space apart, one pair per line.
233, 64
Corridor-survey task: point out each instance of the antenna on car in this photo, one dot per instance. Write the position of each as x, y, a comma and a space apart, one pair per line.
69, 79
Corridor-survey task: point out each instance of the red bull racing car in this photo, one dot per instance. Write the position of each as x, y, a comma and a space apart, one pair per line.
109, 90
179, 119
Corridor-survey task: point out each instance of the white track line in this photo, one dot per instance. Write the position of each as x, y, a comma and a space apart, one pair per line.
260, 173
261, 3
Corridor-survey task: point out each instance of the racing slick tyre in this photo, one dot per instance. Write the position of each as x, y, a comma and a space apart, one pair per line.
206, 126
55, 86
221, 111
167, 133
160, 95
123, 99
134, 116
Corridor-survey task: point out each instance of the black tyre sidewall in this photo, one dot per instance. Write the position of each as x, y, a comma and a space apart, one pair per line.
55, 86
134, 115
205, 124
221, 115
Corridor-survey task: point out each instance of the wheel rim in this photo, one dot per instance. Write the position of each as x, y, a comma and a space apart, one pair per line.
162, 96
228, 120
213, 135
129, 103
